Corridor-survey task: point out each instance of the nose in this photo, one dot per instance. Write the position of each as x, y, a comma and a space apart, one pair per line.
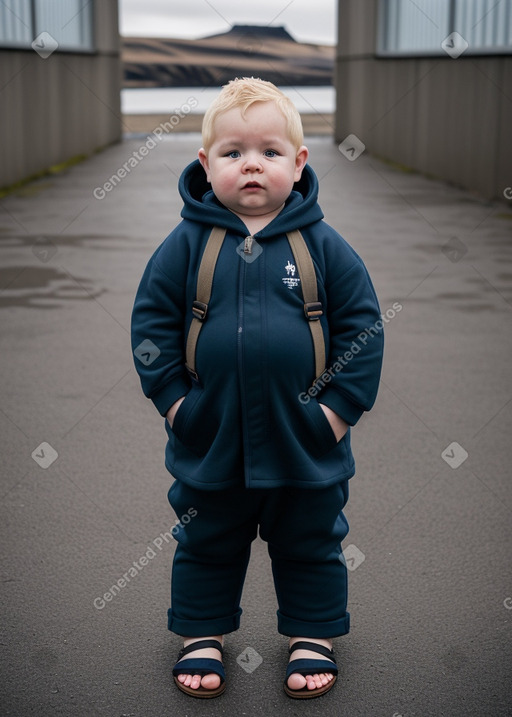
252, 163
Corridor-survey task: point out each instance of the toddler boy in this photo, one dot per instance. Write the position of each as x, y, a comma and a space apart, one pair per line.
258, 432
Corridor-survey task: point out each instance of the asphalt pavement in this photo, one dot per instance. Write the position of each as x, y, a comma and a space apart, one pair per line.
86, 528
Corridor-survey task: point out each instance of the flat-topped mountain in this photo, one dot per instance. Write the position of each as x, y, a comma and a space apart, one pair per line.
276, 32
245, 50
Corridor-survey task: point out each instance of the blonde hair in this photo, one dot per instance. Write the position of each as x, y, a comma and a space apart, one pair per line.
243, 93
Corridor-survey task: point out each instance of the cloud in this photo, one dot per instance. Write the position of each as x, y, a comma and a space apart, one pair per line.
306, 21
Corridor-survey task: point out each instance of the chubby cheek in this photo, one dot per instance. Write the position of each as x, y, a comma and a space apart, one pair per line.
283, 184
223, 184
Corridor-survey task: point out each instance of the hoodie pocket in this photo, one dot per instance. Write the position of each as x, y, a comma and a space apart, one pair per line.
318, 435
193, 425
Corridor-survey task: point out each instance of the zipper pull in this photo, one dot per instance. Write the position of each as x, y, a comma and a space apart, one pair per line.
248, 245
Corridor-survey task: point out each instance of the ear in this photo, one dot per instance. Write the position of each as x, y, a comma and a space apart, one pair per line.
203, 158
300, 161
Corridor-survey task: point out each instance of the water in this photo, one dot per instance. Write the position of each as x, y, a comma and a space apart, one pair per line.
167, 100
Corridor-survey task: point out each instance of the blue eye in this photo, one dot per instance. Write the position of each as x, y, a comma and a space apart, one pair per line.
270, 153
234, 154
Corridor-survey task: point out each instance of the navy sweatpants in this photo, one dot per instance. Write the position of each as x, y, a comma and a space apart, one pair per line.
303, 530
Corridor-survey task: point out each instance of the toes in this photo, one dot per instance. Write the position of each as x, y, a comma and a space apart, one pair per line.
196, 682
210, 682
314, 682
296, 681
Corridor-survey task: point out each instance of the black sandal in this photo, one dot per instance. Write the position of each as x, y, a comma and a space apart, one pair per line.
200, 666
310, 667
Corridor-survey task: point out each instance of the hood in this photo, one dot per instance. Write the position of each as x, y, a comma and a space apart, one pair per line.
201, 205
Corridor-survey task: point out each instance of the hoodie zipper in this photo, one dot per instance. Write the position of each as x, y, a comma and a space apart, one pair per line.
248, 244
241, 364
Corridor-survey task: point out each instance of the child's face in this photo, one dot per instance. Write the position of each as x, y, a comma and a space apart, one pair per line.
251, 164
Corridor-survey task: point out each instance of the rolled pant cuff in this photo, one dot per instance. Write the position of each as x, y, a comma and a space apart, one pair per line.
301, 628
202, 628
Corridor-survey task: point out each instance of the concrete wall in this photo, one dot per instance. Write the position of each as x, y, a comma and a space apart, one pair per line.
446, 118
64, 106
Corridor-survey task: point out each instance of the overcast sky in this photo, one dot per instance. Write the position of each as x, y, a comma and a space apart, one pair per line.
307, 20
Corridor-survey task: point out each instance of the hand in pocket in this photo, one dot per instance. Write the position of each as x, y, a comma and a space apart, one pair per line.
338, 425
171, 413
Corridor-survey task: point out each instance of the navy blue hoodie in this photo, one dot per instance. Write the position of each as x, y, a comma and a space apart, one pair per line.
250, 416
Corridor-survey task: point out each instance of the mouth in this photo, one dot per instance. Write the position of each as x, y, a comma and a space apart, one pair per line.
252, 185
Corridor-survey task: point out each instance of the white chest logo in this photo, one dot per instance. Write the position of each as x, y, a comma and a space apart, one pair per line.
290, 280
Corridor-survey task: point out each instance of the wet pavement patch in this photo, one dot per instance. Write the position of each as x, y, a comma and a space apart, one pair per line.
42, 287
93, 241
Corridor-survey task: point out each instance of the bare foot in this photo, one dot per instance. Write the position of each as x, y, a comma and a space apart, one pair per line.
314, 681
208, 682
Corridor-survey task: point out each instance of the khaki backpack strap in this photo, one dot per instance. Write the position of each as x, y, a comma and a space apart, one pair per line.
312, 307
203, 294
